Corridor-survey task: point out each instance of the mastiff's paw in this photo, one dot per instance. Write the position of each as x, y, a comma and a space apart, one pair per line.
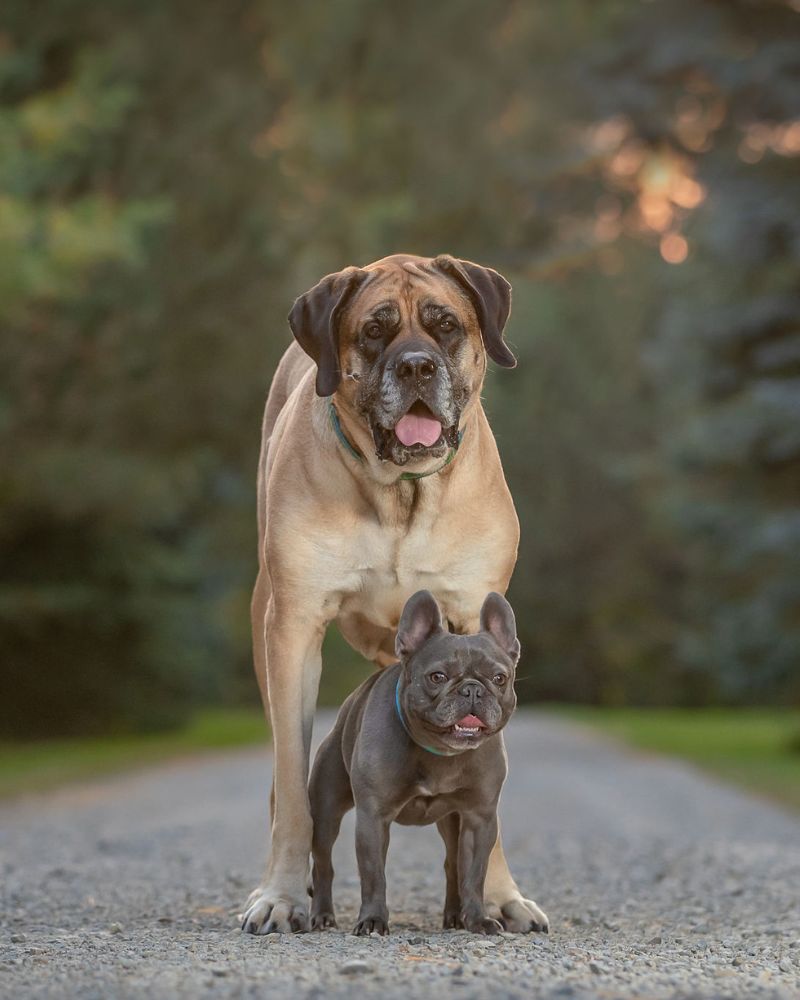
269, 912
520, 916
452, 920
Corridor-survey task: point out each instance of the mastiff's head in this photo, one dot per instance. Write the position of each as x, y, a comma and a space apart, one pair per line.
456, 689
404, 341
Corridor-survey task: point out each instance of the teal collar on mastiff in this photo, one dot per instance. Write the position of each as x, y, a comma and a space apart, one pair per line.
400, 716
348, 446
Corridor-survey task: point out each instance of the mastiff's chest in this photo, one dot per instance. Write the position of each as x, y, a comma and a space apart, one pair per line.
389, 566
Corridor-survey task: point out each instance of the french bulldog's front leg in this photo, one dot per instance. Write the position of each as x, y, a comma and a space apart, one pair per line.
449, 828
330, 796
372, 843
476, 839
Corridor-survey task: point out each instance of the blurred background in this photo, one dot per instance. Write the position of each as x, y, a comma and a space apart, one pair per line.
173, 174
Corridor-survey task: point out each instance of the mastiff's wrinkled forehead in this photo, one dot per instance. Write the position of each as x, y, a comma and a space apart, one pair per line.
405, 340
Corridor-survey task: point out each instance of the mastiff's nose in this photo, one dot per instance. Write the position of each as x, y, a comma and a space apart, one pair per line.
416, 366
473, 690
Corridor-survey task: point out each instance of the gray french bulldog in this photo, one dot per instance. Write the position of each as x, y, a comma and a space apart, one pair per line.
420, 742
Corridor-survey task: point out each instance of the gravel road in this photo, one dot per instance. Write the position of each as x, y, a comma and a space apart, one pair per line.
658, 881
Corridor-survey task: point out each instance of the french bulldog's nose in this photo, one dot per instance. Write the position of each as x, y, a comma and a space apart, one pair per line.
416, 366
472, 690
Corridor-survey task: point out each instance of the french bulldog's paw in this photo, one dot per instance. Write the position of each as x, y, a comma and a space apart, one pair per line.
269, 912
483, 925
322, 920
452, 920
369, 923
521, 916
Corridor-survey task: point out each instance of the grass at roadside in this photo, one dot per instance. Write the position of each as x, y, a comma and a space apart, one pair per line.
34, 767
759, 749
756, 748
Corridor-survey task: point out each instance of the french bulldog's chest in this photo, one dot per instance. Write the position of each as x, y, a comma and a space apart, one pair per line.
427, 805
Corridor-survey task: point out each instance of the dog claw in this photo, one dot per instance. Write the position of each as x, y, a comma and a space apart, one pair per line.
484, 925
322, 921
522, 916
371, 925
268, 915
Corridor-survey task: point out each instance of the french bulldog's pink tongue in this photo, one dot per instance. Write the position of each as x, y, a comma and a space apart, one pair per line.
470, 722
412, 429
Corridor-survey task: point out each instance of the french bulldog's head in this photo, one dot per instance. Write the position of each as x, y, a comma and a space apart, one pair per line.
456, 690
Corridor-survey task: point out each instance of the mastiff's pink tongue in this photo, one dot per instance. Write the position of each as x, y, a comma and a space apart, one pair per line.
412, 429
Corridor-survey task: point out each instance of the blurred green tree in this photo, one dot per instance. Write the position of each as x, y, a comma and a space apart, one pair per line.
119, 536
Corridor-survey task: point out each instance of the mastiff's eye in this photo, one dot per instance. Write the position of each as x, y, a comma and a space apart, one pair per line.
438, 677
446, 325
373, 331
499, 679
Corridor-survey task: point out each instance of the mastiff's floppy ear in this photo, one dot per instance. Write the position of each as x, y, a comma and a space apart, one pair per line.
314, 320
421, 618
490, 294
497, 618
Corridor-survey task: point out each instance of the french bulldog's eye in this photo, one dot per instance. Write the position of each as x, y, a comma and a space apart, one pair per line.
499, 679
438, 677
373, 330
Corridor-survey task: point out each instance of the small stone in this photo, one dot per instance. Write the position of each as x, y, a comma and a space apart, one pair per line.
115, 928
354, 968
656, 940
785, 965
596, 968
219, 971
415, 940
458, 971
738, 960
17, 938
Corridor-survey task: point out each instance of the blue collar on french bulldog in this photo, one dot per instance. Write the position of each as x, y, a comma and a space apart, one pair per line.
404, 724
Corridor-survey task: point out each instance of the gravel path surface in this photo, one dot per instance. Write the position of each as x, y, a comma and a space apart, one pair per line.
658, 881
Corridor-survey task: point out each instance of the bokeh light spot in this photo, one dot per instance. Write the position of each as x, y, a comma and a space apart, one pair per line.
674, 248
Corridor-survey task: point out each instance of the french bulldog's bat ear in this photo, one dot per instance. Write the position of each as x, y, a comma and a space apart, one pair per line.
314, 319
490, 294
497, 618
421, 618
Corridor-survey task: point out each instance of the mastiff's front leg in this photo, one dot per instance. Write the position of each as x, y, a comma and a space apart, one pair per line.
293, 662
505, 902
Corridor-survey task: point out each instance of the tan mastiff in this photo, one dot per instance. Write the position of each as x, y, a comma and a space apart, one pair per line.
378, 477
